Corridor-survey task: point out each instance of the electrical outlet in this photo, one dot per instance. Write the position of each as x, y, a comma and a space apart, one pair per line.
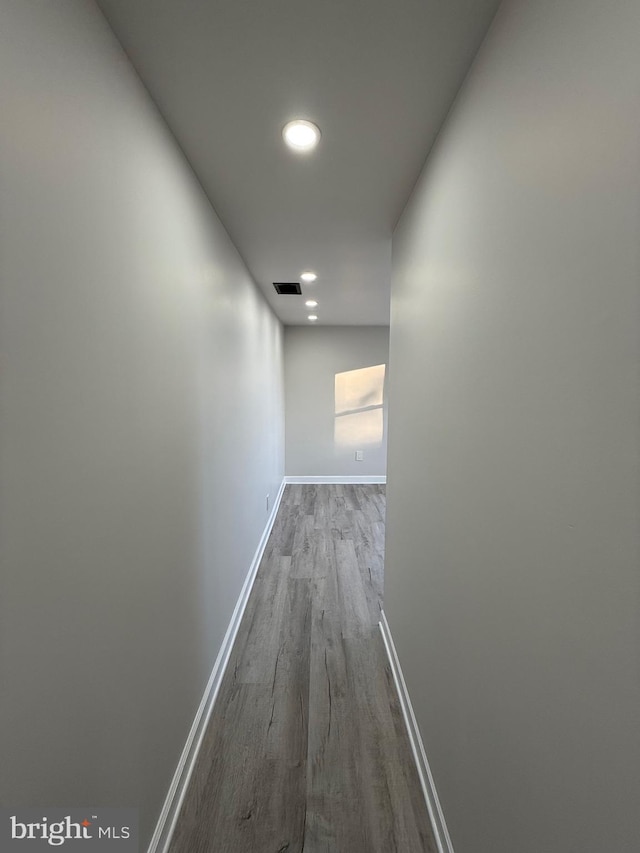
359, 455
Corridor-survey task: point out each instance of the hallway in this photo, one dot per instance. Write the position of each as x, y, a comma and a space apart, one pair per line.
306, 748
440, 293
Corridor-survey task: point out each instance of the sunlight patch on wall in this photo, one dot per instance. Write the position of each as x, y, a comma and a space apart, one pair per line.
359, 418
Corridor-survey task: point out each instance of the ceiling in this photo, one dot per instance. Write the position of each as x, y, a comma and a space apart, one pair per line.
377, 77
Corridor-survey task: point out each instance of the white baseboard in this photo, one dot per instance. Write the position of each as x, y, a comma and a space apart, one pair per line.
173, 802
424, 772
312, 478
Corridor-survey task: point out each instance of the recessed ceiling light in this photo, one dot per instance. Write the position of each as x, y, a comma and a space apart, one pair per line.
311, 303
301, 135
312, 317
308, 276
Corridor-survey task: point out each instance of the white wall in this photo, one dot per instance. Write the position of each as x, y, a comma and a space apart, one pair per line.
332, 392
141, 406
513, 564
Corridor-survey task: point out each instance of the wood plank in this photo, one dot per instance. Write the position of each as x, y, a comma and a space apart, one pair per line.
355, 616
262, 624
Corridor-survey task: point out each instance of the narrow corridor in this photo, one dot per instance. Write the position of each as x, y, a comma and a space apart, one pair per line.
306, 748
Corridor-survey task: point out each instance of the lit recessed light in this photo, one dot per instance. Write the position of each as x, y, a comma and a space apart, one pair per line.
308, 277
301, 135
312, 317
311, 303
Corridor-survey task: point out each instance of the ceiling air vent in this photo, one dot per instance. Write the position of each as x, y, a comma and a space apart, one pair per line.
284, 288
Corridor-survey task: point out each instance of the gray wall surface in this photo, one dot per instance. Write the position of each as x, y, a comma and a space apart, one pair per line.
141, 422
335, 400
513, 564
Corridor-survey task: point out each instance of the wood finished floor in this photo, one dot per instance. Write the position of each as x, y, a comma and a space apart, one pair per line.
306, 749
